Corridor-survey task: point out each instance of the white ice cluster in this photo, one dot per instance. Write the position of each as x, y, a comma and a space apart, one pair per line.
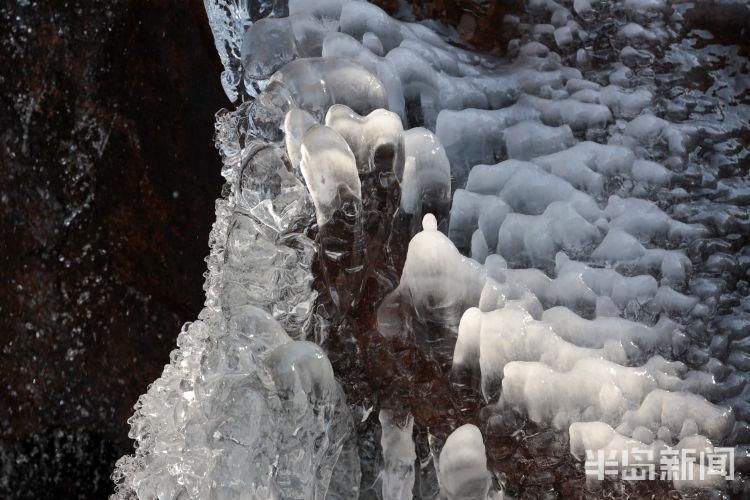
564, 281
560, 326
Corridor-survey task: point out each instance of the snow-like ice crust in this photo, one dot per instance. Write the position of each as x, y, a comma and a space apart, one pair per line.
567, 287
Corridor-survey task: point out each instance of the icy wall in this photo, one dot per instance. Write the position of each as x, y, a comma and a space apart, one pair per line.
474, 250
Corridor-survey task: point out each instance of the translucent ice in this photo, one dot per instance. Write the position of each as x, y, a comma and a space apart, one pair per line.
625, 250
463, 465
296, 123
426, 184
474, 136
358, 18
198, 442
511, 334
314, 85
623, 290
537, 238
598, 437
399, 456
437, 283
272, 42
595, 389
309, 394
578, 115
529, 139
470, 211
330, 172
377, 140
644, 220
324, 9
318, 83
528, 189
343, 45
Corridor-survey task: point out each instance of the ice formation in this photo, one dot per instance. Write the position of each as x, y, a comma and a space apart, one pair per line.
330, 171
399, 456
574, 266
463, 465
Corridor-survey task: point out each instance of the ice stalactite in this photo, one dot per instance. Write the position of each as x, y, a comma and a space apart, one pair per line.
463, 465
399, 456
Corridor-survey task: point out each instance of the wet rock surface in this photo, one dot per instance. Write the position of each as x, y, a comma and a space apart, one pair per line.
108, 177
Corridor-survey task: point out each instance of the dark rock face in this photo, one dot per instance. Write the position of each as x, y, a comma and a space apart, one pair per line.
729, 23
479, 22
108, 177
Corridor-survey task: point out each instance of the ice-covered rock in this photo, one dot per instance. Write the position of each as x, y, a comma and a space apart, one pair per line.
578, 115
596, 332
651, 173
624, 249
647, 222
600, 390
605, 159
567, 290
589, 439
529, 139
529, 189
470, 211
473, 136
536, 239
652, 130
623, 290
625, 103
511, 334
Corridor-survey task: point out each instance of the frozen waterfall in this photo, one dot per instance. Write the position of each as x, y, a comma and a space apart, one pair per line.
437, 273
